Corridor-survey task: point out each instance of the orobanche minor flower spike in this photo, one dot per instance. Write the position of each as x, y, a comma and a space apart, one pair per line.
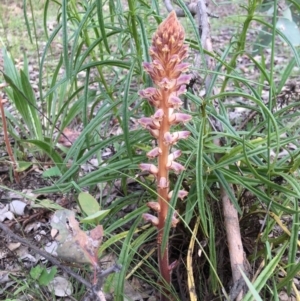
166, 70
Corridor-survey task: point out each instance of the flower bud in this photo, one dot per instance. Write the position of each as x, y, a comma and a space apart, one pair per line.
163, 183
181, 90
174, 59
154, 153
157, 64
167, 84
173, 265
174, 102
173, 156
175, 220
158, 115
154, 133
149, 123
183, 67
179, 117
183, 79
151, 218
180, 135
170, 139
177, 167
154, 206
149, 167
181, 194
153, 95
148, 92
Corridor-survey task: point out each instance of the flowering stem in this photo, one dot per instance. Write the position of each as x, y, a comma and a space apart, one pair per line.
167, 53
163, 173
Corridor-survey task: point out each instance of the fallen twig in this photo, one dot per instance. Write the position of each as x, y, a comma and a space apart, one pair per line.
45, 254
95, 289
231, 219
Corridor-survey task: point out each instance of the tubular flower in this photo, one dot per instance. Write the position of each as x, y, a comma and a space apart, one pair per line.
167, 73
181, 194
154, 206
154, 153
151, 218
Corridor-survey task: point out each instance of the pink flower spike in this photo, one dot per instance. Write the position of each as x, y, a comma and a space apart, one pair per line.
154, 153
173, 156
177, 167
183, 79
158, 115
179, 117
149, 167
175, 102
151, 218
154, 206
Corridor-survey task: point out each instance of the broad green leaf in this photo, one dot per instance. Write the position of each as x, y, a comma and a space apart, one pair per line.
88, 204
51, 172
97, 216
46, 277
36, 272
290, 30
22, 166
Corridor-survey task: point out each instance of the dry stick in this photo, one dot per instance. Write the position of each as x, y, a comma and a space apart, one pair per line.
192, 7
96, 290
6, 140
231, 218
45, 254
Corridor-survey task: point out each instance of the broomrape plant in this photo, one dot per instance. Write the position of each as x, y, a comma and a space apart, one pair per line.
167, 52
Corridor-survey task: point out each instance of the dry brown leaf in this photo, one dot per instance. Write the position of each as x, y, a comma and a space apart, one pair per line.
68, 137
74, 244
